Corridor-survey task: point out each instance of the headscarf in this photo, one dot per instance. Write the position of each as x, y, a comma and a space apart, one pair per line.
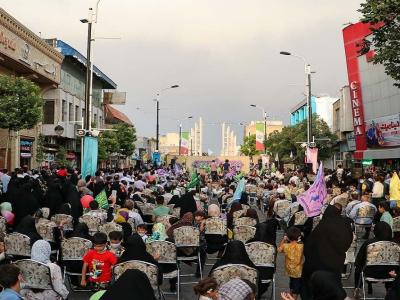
214, 211
187, 220
326, 246
135, 249
41, 251
187, 203
27, 227
82, 231
236, 206
266, 232
159, 233
65, 209
235, 253
234, 289
132, 282
383, 232
252, 213
327, 286
122, 215
6, 206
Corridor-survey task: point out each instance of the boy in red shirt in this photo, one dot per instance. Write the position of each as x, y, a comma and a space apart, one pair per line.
99, 261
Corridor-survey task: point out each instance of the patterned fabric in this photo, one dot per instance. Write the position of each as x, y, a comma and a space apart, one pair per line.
17, 244
131, 222
261, 254
300, 218
186, 236
396, 224
281, 207
238, 213
366, 212
166, 250
74, 248
245, 207
164, 220
3, 226
68, 220
46, 230
36, 275
383, 253
108, 227
234, 289
243, 233
225, 273
215, 225
147, 209
41, 251
91, 222
245, 221
149, 269
316, 221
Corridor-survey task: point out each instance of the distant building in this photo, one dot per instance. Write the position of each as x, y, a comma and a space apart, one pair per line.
321, 105
229, 142
250, 129
196, 139
169, 143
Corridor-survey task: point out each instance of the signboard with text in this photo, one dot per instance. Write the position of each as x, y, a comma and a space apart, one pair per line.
383, 132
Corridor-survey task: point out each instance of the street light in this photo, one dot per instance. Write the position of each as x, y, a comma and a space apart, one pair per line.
158, 113
307, 70
265, 125
180, 133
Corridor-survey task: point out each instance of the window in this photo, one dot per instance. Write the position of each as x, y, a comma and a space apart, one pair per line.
77, 113
70, 112
95, 120
337, 119
48, 112
64, 111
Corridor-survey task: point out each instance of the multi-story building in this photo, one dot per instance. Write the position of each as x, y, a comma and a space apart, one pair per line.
375, 102
23, 53
64, 107
229, 142
320, 105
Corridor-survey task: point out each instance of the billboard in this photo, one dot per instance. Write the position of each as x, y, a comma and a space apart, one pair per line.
184, 143
260, 136
383, 132
114, 97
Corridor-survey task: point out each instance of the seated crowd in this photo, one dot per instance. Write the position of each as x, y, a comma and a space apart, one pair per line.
127, 232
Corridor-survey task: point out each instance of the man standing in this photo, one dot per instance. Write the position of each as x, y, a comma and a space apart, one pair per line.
213, 167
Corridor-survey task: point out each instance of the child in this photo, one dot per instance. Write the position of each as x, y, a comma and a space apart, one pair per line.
293, 250
207, 289
99, 261
115, 242
10, 280
384, 209
200, 221
142, 231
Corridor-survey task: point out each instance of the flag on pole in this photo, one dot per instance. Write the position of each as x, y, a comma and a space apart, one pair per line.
313, 199
195, 181
239, 189
312, 158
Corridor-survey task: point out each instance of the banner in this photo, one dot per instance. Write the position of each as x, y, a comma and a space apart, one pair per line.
184, 143
312, 158
384, 131
260, 136
313, 199
90, 151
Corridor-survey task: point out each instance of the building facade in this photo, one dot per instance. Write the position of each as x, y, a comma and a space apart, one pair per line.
169, 143
65, 108
375, 102
320, 105
23, 53
250, 129
196, 139
229, 142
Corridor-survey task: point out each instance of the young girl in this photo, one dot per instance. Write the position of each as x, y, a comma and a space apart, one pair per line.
293, 250
207, 289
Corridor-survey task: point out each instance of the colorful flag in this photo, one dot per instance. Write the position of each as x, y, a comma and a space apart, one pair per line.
195, 181
312, 158
101, 198
313, 199
241, 186
184, 143
260, 136
394, 188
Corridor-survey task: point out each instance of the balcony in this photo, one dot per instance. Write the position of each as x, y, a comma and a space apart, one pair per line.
69, 129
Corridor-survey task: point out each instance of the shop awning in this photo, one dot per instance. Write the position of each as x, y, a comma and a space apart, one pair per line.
113, 115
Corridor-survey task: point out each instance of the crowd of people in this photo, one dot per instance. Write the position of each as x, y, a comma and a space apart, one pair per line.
151, 204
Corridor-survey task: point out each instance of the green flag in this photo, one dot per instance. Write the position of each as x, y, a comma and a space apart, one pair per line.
194, 181
101, 198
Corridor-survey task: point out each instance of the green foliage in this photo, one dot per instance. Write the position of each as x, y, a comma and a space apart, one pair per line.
20, 103
61, 156
40, 157
385, 39
126, 136
249, 146
108, 144
291, 137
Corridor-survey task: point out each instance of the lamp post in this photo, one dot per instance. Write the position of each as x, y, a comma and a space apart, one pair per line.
307, 70
157, 100
265, 125
180, 133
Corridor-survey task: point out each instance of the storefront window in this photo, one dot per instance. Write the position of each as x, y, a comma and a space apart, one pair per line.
48, 112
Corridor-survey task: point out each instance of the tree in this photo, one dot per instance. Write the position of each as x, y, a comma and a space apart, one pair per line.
40, 157
61, 156
126, 136
384, 17
291, 137
249, 146
20, 105
108, 144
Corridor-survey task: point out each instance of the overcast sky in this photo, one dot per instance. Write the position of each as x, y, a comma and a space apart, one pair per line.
223, 53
